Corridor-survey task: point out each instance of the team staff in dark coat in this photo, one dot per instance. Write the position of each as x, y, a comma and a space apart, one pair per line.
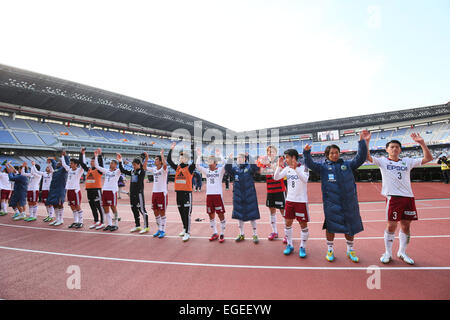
57, 190
245, 202
340, 199
18, 199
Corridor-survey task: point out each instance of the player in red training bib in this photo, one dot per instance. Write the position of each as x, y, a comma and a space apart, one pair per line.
275, 188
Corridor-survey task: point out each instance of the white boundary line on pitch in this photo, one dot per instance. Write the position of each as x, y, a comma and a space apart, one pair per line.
192, 237
217, 265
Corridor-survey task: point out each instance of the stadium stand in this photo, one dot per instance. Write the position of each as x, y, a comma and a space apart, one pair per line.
40, 115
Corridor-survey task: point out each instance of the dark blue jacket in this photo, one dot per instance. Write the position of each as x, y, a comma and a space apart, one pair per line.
20, 185
57, 190
340, 199
245, 202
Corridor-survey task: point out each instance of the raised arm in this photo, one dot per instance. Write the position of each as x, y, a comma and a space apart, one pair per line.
35, 171
363, 147
121, 168
97, 165
221, 163
309, 162
163, 159
169, 157
144, 164
10, 168
199, 162
280, 172
63, 161
219, 157
253, 166
229, 165
192, 166
82, 160
52, 163
23, 171
427, 156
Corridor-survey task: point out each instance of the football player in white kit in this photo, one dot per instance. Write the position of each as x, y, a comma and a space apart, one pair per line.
46, 180
214, 194
33, 190
396, 187
159, 194
109, 192
5, 191
74, 173
297, 198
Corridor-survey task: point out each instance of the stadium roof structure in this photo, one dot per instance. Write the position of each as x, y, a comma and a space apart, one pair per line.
365, 121
30, 89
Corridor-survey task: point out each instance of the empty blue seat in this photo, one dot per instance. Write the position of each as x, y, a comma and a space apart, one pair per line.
48, 139
39, 126
7, 138
28, 138
16, 124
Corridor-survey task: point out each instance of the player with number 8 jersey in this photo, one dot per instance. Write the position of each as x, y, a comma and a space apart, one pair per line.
297, 198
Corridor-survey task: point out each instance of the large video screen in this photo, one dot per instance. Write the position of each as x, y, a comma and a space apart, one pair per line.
328, 135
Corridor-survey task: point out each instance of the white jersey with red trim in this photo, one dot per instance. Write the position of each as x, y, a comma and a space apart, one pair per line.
35, 179
5, 184
111, 182
111, 177
159, 179
213, 178
73, 176
396, 179
46, 180
297, 182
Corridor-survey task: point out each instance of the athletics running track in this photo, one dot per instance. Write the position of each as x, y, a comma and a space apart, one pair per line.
34, 257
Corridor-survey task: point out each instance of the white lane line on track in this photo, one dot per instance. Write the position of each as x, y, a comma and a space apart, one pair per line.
192, 237
206, 221
215, 265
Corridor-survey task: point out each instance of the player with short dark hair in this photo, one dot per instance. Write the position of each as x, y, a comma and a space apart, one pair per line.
183, 189
297, 198
93, 184
340, 200
57, 190
136, 193
159, 194
109, 193
19, 196
74, 173
214, 193
33, 189
396, 187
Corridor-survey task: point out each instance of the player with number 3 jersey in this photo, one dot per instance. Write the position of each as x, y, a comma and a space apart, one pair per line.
396, 187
